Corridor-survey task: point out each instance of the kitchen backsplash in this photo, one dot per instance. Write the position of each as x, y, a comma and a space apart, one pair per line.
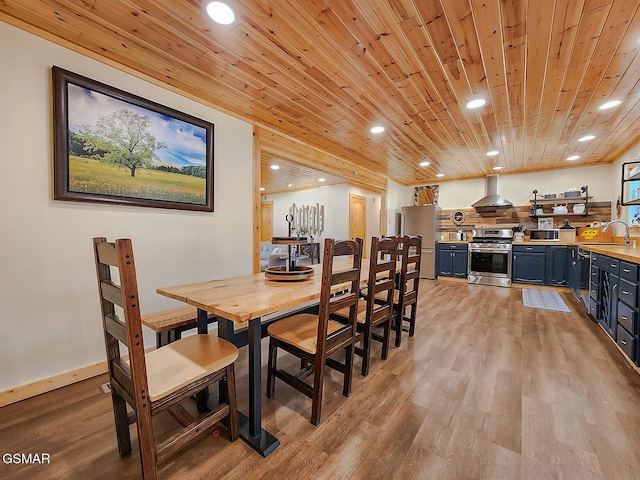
519, 215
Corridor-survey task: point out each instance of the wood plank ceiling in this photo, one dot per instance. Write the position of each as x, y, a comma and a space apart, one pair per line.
326, 71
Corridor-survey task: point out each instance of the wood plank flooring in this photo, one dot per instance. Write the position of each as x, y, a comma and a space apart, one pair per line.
487, 389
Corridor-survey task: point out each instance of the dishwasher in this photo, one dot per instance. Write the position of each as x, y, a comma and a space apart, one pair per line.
581, 286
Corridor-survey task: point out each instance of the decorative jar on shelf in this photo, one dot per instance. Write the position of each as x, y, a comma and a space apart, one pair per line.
579, 208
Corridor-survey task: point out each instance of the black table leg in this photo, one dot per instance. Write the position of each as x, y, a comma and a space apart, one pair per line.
201, 397
251, 430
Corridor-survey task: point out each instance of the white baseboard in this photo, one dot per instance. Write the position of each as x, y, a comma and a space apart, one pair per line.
29, 390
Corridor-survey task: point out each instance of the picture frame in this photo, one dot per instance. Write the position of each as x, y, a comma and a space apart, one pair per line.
545, 224
114, 147
426, 195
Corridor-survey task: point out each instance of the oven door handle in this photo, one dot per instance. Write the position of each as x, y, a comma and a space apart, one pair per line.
490, 250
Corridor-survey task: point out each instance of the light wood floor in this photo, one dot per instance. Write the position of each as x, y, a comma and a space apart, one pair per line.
487, 389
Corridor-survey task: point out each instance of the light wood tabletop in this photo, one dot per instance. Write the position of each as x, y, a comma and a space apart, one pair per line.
240, 299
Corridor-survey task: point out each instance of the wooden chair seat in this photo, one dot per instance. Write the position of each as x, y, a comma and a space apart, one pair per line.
185, 361
382, 297
361, 311
301, 331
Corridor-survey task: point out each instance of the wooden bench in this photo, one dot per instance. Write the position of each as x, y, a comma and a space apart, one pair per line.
169, 324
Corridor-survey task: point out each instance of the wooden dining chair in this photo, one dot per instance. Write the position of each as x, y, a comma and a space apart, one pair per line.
406, 293
316, 338
376, 308
159, 380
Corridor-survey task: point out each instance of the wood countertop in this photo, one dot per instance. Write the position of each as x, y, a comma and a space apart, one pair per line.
542, 243
622, 252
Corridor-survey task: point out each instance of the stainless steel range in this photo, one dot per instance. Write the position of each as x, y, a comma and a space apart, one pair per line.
490, 257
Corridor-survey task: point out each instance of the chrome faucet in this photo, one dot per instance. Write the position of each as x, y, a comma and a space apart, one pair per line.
627, 239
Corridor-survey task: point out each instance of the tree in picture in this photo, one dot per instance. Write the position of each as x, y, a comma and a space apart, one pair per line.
123, 139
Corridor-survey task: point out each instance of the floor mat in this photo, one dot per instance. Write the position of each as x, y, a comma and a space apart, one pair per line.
544, 299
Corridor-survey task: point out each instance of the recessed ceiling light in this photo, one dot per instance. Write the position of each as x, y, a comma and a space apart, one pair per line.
608, 105
289, 184
573, 157
377, 129
322, 179
477, 103
439, 175
586, 138
492, 153
497, 168
425, 164
262, 189
220, 13
275, 167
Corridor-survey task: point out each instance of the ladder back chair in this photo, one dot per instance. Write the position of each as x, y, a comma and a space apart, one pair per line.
160, 379
315, 338
376, 308
406, 295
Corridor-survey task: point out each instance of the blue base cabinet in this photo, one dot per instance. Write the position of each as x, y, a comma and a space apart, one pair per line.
557, 266
614, 289
452, 259
627, 311
528, 264
540, 264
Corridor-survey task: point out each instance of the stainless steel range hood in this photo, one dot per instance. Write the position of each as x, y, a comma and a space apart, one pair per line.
491, 201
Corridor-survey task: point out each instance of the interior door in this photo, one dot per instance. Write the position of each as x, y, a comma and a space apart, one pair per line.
358, 219
266, 221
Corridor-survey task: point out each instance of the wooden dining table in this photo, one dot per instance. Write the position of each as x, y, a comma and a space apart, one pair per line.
253, 299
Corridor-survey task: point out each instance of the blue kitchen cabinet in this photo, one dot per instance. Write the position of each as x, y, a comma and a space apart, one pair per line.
452, 259
557, 263
529, 264
627, 312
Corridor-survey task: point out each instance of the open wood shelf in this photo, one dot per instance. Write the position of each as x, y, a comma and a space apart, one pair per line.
547, 201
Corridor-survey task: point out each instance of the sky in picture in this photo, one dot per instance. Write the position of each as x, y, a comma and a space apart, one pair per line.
186, 143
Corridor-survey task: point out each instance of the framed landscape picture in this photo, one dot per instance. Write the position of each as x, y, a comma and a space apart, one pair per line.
114, 147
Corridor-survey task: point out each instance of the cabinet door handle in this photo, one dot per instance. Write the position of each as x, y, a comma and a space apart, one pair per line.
624, 318
624, 342
624, 292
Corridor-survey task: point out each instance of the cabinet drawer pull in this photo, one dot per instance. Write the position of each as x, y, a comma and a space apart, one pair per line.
625, 318
529, 248
625, 292
614, 265
626, 270
624, 342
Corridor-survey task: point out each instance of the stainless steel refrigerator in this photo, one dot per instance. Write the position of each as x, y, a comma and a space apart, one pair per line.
424, 220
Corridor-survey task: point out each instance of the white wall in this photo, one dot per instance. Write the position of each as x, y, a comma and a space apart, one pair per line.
48, 294
398, 196
518, 188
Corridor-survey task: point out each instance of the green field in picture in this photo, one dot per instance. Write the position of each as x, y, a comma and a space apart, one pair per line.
94, 177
